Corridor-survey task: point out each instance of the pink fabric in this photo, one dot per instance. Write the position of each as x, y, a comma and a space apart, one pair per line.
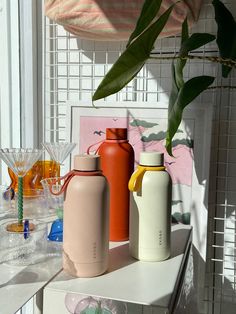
115, 20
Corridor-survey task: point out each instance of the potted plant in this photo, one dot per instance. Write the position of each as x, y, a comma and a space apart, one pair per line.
140, 48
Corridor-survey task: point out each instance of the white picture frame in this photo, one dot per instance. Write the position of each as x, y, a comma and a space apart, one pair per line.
197, 121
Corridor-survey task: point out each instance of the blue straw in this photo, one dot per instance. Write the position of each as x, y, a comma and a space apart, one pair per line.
26, 228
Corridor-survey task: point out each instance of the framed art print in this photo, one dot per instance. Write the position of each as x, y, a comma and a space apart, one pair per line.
147, 124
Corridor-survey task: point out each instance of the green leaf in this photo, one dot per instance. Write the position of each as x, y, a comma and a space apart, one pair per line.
226, 34
188, 44
189, 91
184, 33
132, 59
180, 63
174, 88
148, 13
194, 42
177, 70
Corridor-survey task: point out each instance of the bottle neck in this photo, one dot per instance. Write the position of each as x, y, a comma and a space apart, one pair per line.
105, 141
135, 181
69, 176
115, 141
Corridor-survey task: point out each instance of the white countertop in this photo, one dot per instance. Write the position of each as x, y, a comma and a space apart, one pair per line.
129, 280
18, 284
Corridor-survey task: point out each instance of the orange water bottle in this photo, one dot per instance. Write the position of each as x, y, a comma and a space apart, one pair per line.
117, 164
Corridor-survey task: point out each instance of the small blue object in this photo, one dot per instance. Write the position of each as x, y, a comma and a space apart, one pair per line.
12, 193
9, 193
26, 228
56, 232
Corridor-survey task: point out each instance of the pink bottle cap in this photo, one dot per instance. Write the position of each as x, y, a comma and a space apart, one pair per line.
87, 162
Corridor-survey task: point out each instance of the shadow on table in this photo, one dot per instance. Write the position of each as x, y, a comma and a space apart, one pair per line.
119, 257
34, 273
178, 241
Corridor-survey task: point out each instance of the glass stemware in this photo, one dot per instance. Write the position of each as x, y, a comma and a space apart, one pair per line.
58, 151
20, 160
78, 303
32, 180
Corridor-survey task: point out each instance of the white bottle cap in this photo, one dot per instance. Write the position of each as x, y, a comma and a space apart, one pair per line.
151, 159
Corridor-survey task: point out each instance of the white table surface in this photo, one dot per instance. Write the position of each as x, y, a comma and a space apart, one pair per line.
129, 280
18, 284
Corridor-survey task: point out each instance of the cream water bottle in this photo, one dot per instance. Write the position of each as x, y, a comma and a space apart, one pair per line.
86, 219
150, 209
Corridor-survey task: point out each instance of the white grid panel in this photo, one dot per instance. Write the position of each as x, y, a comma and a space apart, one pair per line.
73, 70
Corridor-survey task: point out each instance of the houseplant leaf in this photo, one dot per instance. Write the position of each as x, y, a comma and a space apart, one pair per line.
194, 42
148, 13
174, 88
226, 34
191, 43
188, 92
178, 96
180, 63
177, 69
131, 60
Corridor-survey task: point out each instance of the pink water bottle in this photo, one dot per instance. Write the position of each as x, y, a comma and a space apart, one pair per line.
86, 219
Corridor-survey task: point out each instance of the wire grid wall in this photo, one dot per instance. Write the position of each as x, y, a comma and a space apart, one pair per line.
73, 70
223, 222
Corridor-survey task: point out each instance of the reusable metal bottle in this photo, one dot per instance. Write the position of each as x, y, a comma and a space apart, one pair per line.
150, 209
86, 219
117, 163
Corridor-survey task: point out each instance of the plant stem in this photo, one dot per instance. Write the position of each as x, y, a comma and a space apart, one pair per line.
223, 87
20, 200
229, 62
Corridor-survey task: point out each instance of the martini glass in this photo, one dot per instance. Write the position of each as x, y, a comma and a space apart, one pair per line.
58, 151
20, 160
